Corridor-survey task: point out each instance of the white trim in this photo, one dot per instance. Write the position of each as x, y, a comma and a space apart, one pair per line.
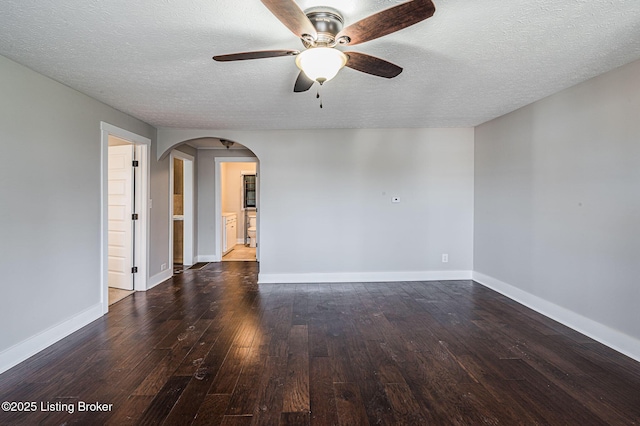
143, 154
218, 200
258, 215
189, 211
159, 278
188, 203
27, 348
614, 339
351, 277
124, 134
142, 226
206, 258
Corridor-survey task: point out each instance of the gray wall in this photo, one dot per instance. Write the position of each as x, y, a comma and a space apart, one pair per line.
50, 191
557, 199
159, 214
325, 199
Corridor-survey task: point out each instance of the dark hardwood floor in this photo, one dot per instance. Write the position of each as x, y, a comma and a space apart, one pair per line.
212, 347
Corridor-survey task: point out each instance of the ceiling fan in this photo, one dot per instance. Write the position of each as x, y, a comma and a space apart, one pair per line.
321, 30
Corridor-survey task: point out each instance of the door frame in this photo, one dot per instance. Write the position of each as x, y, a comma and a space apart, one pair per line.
188, 202
218, 201
143, 152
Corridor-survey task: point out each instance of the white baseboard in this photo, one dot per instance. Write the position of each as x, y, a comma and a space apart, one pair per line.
355, 277
240, 241
207, 258
616, 340
159, 278
27, 348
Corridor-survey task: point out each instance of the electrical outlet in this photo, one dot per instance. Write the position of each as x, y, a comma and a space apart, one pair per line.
395, 199
163, 266
445, 258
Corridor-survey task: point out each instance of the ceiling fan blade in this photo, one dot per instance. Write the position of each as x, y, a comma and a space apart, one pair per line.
372, 65
303, 83
255, 55
288, 12
388, 21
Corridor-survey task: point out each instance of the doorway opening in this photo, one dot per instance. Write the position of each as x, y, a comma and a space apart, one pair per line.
124, 221
121, 234
181, 211
237, 217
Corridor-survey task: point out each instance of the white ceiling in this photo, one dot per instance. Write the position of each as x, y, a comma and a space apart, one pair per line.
471, 62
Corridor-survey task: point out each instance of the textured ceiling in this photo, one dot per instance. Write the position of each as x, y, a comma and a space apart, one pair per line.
471, 62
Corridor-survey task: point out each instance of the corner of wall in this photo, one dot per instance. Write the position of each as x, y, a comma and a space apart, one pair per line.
614, 339
34, 344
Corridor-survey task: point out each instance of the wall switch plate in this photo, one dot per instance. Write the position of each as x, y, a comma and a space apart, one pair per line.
163, 266
395, 199
445, 258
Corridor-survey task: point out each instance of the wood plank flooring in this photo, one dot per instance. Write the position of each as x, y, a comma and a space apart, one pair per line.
212, 347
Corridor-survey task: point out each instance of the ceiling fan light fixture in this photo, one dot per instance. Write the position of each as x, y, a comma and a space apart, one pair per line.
321, 63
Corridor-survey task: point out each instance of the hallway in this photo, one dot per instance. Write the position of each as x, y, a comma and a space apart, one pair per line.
210, 346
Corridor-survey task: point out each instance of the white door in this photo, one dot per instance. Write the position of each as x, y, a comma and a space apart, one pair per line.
120, 254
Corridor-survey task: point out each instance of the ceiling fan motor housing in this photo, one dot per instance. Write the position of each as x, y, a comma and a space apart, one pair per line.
327, 22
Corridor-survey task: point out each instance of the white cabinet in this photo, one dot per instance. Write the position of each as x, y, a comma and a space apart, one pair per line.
232, 234
229, 232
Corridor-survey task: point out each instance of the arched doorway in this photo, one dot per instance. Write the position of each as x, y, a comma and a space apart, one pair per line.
211, 157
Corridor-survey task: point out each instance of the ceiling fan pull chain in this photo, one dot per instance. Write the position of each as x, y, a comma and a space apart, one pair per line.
318, 96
